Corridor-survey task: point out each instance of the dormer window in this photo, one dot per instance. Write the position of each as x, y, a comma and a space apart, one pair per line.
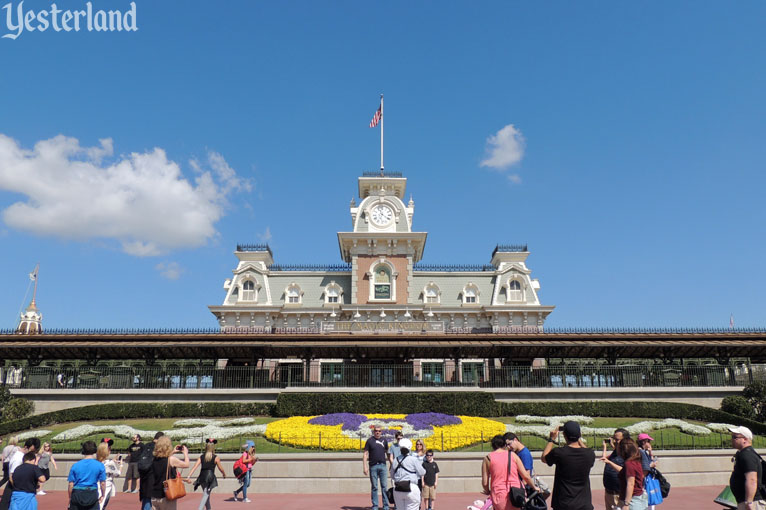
470, 294
248, 291
431, 294
515, 293
293, 294
332, 293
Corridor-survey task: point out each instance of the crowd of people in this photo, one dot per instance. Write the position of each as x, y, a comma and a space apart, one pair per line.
414, 473
507, 472
91, 481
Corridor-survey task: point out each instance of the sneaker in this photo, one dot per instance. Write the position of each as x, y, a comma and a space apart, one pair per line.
235, 496
41, 493
246, 500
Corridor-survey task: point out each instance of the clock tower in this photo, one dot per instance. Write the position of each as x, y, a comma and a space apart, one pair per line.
381, 248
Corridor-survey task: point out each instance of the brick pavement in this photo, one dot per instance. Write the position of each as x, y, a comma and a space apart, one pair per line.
682, 498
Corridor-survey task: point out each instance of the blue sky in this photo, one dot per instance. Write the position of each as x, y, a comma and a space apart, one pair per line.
629, 150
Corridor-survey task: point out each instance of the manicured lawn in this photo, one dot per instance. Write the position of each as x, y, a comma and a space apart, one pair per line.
670, 438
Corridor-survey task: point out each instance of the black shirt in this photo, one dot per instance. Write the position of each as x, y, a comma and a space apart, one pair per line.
134, 450
571, 483
431, 469
745, 461
25, 478
377, 450
611, 482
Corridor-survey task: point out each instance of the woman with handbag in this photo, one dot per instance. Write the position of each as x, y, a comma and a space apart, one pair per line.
164, 489
502, 473
206, 479
406, 470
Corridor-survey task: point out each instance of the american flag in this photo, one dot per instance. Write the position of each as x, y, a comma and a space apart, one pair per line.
376, 118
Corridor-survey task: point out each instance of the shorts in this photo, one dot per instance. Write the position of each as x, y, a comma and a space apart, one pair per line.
429, 492
132, 472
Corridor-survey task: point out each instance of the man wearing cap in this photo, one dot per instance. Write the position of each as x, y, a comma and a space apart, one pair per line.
746, 478
374, 465
571, 483
610, 478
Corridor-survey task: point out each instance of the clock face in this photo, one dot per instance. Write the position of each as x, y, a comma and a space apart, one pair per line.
381, 214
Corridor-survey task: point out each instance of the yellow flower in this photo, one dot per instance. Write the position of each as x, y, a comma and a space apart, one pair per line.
296, 431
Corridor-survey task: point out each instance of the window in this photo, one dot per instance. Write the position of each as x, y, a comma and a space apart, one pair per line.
248, 291
332, 293
470, 294
431, 294
382, 279
514, 291
433, 372
293, 294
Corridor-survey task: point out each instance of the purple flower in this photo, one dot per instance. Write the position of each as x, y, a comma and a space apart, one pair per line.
350, 421
427, 421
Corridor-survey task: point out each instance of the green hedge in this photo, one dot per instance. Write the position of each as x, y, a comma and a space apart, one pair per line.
643, 409
132, 411
466, 403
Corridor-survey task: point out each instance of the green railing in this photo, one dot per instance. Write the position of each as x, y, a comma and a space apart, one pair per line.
321, 374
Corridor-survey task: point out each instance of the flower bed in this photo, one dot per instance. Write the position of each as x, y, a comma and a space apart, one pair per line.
348, 431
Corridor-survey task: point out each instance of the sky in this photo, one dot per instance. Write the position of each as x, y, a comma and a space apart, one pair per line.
622, 141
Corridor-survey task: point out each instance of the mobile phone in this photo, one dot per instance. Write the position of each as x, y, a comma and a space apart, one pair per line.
119, 458
608, 440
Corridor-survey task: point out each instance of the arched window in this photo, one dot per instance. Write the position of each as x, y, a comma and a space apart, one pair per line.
332, 293
514, 291
470, 294
293, 294
248, 291
382, 279
431, 294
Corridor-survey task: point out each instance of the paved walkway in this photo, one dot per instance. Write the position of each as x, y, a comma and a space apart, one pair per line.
682, 498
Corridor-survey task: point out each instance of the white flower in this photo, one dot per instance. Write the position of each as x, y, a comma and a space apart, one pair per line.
32, 433
553, 420
720, 427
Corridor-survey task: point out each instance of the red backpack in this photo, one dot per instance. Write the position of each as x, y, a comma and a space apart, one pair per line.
240, 468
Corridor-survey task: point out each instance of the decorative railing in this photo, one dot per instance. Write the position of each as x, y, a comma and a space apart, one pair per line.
453, 268
527, 330
385, 173
254, 247
510, 248
310, 267
351, 375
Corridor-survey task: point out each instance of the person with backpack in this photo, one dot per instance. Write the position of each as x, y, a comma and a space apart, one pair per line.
145, 474
406, 470
247, 459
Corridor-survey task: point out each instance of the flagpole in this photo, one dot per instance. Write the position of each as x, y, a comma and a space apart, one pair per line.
381, 135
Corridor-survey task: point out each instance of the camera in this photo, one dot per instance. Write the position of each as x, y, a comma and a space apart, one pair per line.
608, 440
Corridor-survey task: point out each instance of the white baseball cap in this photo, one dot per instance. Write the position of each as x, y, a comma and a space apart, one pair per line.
743, 431
405, 443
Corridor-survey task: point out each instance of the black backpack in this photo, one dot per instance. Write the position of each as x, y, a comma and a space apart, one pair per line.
145, 458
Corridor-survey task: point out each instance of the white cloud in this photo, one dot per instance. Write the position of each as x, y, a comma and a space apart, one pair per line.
171, 270
142, 200
514, 178
266, 236
505, 148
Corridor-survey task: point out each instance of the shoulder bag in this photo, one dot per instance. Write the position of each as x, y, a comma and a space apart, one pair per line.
518, 495
173, 487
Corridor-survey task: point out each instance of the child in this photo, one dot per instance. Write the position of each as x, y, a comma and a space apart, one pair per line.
430, 479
